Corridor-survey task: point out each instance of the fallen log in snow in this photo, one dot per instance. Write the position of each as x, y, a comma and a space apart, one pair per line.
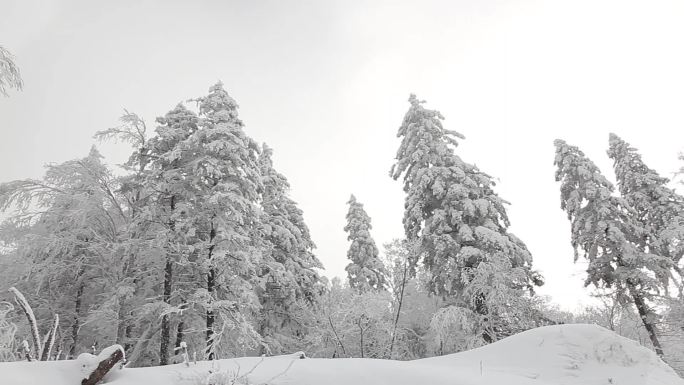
102, 364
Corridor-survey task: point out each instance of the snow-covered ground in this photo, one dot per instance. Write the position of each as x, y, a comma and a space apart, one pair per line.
563, 354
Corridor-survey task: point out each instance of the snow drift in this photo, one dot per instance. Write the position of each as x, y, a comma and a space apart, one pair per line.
563, 354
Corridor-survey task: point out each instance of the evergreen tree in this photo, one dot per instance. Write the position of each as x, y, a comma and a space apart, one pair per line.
64, 229
286, 231
607, 231
658, 208
366, 271
227, 219
170, 200
289, 265
461, 224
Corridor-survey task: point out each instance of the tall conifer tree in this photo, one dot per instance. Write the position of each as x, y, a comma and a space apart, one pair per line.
659, 209
607, 230
460, 223
365, 271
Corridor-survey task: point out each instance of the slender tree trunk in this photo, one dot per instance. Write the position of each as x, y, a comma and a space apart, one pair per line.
645, 313
50, 340
128, 333
75, 325
401, 300
339, 341
210, 314
481, 309
165, 323
121, 337
361, 337
180, 334
142, 344
166, 296
211, 284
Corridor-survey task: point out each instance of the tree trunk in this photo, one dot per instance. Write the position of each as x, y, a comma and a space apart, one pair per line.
210, 314
211, 284
361, 336
75, 325
401, 300
50, 340
122, 325
481, 309
339, 341
104, 367
180, 332
644, 313
166, 324
142, 343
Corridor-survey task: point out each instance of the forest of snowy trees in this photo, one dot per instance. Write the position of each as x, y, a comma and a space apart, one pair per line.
198, 243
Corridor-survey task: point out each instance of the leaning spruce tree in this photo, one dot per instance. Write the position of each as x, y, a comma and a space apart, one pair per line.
365, 271
288, 271
608, 233
659, 209
288, 238
461, 225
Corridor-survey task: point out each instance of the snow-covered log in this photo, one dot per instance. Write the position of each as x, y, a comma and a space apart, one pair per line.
106, 360
21, 301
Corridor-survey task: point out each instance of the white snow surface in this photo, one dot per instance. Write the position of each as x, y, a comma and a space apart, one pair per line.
562, 354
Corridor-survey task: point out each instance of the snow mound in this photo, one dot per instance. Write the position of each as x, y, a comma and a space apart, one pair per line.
558, 355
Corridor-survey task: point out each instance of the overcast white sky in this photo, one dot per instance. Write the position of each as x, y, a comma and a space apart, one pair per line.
326, 83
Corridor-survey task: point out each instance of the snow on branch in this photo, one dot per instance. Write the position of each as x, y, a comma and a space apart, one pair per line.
21, 301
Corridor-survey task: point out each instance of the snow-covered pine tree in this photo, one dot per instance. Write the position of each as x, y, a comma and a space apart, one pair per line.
289, 263
285, 230
141, 238
64, 228
365, 271
226, 176
605, 228
461, 225
659, 209
170, 199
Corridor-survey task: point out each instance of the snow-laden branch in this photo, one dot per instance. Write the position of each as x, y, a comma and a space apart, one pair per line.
21, 301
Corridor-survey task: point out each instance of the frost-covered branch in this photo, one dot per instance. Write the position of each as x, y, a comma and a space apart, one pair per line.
23, 303
9, 72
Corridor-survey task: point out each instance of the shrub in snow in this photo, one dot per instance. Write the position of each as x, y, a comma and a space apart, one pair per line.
7, 332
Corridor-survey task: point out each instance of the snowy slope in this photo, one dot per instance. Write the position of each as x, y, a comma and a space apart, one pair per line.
564, 355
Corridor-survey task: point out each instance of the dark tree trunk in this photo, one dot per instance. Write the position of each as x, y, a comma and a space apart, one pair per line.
481, 309
210, 314
76, 322
121, 337
211, 285
165, 323
103, 368
644, 313
166, 296
128, 334
180, 333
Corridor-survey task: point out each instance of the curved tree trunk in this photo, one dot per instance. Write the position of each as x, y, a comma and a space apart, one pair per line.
645, 314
